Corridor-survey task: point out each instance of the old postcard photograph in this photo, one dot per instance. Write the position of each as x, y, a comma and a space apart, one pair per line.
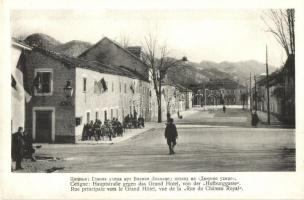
152, 101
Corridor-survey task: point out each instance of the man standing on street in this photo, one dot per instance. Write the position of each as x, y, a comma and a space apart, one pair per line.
17, 147
171, 135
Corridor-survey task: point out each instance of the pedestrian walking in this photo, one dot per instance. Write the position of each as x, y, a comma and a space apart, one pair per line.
171, 135
254, 119
17, 147
224, 108
168, 116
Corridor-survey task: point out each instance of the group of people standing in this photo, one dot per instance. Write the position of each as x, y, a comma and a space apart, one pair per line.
97, 131
22, 147
131, 121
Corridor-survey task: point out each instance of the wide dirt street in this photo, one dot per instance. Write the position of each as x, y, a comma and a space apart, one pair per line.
208, 141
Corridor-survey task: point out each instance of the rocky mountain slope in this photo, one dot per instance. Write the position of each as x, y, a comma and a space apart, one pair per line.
189, 74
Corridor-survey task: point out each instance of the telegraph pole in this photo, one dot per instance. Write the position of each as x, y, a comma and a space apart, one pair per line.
255, 95
267, 87
250, 95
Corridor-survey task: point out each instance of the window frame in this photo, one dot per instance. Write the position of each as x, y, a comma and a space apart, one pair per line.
84, 86
48, 70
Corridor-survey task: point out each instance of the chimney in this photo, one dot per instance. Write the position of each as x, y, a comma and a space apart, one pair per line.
135, 50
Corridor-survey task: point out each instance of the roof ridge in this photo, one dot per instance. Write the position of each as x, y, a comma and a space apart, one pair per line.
118, 45
78, 62
83, 53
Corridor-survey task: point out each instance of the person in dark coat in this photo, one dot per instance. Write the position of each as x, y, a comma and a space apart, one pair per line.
168, 116
28, 151
84, 132
90, 130
17, 147
254, 119
224, 108
171, 135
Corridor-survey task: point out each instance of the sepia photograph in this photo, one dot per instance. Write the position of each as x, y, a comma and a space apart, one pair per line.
153, 91
151, 99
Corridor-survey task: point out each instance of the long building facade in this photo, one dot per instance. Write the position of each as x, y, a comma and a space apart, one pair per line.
68, 92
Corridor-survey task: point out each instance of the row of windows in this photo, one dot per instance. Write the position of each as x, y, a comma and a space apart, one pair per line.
43, 84
99, 87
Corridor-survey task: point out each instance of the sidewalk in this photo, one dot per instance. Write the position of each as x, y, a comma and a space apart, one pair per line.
274, 121
263, 118
185, 113
129, 133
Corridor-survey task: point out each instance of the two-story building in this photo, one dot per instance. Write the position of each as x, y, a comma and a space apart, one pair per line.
68, 92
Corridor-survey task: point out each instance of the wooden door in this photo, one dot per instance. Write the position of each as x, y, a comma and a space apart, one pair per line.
43, 126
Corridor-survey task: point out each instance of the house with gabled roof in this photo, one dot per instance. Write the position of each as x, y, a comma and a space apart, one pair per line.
106, 50
68, 92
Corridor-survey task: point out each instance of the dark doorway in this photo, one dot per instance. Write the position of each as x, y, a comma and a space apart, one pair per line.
43, 126
105, 115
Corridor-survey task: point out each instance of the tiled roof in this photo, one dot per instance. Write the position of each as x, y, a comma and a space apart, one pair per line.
116, 44
92, 65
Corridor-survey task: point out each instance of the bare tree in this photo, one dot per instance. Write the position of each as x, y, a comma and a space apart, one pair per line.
281, 24
158, 60
124, 40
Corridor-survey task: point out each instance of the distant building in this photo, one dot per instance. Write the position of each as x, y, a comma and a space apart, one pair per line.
218, 92
106, 81
281, 92
175, 98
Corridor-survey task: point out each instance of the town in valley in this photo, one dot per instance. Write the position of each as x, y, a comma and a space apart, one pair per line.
126, 103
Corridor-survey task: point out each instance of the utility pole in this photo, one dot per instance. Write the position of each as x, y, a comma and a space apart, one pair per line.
267, 87
255, 95
250, 95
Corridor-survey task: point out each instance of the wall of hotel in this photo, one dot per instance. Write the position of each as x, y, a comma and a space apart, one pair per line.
117, 101
64, 115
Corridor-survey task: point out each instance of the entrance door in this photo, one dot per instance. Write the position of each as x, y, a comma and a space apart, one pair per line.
43, 126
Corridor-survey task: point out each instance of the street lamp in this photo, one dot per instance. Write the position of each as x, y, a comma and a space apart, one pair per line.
68, 91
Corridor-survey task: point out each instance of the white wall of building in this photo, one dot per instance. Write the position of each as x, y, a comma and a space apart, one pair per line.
18, 100
115, 100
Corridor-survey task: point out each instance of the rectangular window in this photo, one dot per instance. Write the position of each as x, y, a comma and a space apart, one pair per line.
78, 121
111, 114
96, 88
88, 117
112, 86
125, 88
84, 88
43, 82
97, 115
119, 87
105, 115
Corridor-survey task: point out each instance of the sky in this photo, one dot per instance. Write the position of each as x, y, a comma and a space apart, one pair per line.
213, 35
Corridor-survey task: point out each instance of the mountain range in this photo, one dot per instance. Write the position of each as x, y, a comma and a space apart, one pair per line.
188, 74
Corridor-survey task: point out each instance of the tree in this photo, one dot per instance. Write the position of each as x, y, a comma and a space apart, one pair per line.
124, 40
281, 24
158, 60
